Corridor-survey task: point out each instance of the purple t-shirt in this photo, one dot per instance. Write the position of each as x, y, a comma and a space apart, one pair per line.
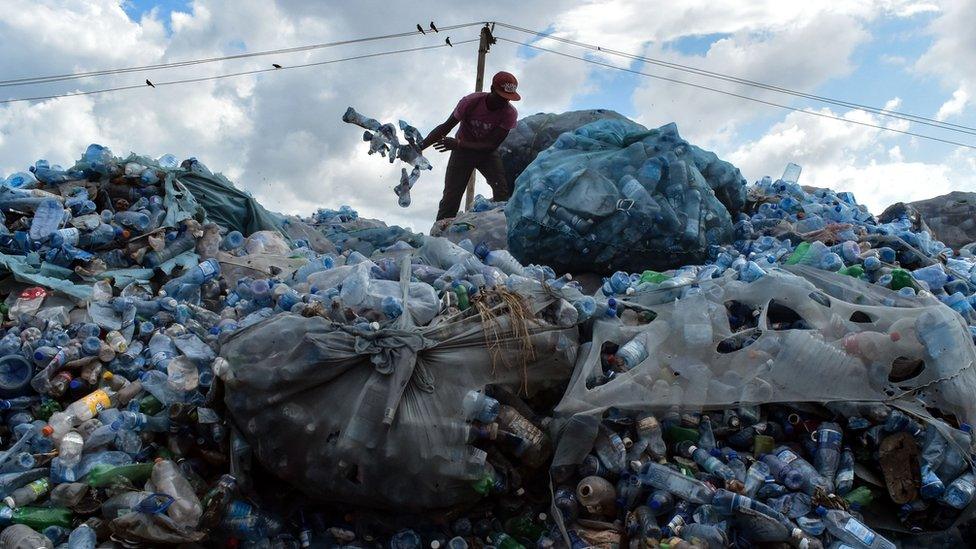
477, 122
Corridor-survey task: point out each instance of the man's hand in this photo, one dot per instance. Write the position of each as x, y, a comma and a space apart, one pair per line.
446, 144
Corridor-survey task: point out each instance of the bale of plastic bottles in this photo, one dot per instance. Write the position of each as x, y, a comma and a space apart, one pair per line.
536, 133
395, 435
614, 195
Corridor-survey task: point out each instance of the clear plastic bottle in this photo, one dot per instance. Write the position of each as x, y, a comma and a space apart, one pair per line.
650, 435
27, 494
851, 531
632, 353
826, 458
70, 448
686, 488
183, 375
82, 537
47, 219
19, 536
167, 478
961, 491
480, 407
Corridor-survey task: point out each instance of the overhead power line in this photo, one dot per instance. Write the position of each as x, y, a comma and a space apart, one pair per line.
191, 62
753, 83
234, 74
733, 94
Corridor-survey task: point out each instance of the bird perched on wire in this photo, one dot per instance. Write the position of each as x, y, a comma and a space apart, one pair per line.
432, 27
150, 84
275, 65
448, 41
421, 29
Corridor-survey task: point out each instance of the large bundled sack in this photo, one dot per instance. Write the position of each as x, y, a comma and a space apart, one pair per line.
614, 195
351, 414
538, 132
816, 337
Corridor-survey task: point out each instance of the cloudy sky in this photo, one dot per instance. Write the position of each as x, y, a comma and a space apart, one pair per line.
278, 134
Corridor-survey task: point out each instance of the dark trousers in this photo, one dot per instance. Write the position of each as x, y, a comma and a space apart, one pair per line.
459, 168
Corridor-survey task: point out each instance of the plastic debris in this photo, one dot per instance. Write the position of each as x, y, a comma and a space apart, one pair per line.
383, 139
170, 375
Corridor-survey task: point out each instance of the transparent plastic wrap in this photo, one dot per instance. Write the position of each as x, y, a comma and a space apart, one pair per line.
817, 337
376, 417
538, 132
613, 195
488, 227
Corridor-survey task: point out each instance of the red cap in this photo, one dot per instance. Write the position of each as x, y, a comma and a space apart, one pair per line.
47, 430
505, 84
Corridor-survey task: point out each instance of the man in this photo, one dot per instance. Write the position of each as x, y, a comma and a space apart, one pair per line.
485, 119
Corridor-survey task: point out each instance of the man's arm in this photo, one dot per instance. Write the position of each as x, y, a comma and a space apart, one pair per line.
440, 132
494, 139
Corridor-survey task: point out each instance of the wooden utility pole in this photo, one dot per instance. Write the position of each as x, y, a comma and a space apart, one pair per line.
479, 86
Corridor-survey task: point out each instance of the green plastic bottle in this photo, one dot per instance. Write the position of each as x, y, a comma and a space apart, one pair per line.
861, 495
799, 254
524, 528
106, 475
150, 405
502, 540
677, 433
653, 277
462, 296
47, 409
855, 271
37, 518
900, 278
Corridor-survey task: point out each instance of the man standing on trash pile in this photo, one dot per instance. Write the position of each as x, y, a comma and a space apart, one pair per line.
486, 119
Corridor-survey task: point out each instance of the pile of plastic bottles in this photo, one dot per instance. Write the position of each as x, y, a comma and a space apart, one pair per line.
827, 230
767, 474
111, 379
109, 366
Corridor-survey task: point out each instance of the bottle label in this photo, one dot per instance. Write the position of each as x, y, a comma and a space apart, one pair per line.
648, 423
39, 486
860, 531
97, 401
208, 268
787, 456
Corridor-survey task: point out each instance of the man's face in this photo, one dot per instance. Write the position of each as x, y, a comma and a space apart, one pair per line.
499, 98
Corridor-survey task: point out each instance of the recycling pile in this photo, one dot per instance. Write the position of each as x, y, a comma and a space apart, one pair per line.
336, 381
484, 223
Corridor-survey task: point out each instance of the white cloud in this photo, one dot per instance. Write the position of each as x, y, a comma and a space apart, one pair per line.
777, 58
952, 55
955, 104
851, 158
278, 135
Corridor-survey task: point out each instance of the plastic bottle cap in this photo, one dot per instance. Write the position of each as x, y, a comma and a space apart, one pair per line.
107, 376
821, 510
435, 544
47, 430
